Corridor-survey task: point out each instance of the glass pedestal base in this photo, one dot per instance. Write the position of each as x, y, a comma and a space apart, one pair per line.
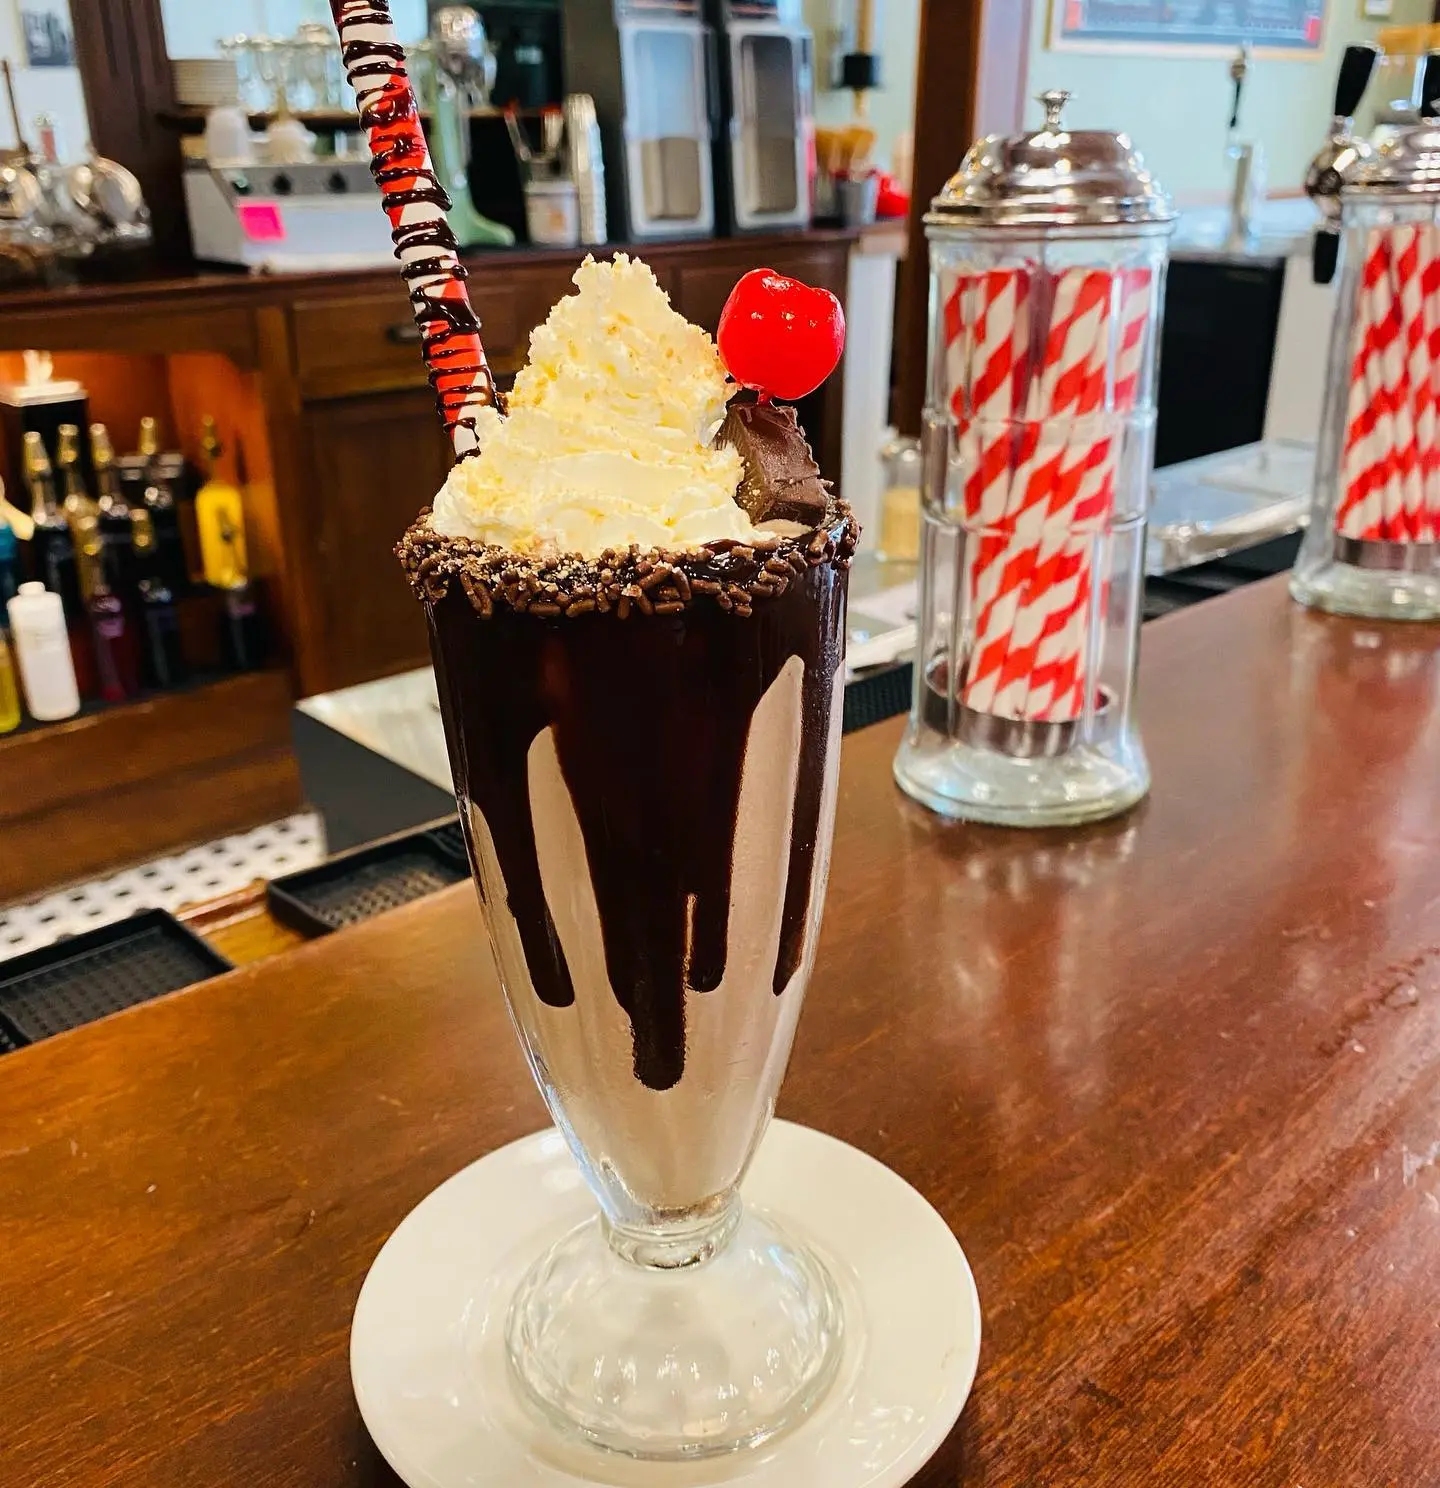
1373, 592
1084, 783
615, 1343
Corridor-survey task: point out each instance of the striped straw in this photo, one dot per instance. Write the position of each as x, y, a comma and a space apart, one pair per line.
997, 678
416, 204
1430, 374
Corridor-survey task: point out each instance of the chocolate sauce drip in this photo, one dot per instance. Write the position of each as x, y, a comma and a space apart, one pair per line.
485, 759
400, 163
651, 718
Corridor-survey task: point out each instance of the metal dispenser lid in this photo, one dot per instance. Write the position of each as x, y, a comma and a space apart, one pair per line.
1408, 163
1055, 177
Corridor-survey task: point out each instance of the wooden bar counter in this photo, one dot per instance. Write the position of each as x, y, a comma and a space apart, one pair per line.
1174, 1081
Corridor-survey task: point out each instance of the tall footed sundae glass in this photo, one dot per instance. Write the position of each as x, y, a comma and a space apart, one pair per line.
636, 596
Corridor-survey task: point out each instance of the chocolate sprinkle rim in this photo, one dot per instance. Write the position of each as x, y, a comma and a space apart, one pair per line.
733, 575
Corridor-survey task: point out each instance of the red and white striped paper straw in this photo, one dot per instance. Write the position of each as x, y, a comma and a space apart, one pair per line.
1360, 512
989, 364
1060, 680
1411, 379
1423, 374
1392, 385
416, 205
1054, 482
996, 683
1390, 457
991, 393
1057, 600
1039, 440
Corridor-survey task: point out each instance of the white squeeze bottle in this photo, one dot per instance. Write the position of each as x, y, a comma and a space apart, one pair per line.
42, 647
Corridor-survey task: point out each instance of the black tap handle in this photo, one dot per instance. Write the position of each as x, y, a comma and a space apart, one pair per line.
1356, 70
1325, 257
1235, 107
1430, 86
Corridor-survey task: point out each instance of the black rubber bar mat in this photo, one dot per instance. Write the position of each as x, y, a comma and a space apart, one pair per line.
10, 1039
358, 885
88, 976
879, 696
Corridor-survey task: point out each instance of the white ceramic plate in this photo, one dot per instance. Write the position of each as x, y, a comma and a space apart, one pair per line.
427, 1346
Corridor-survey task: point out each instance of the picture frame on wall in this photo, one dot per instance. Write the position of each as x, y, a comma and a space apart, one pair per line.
46, 32
1276, 28
1377, 10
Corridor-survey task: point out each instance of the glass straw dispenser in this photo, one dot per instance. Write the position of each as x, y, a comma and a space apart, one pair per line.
1047, 263
1373, 544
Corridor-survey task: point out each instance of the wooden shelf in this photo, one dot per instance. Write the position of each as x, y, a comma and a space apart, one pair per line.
132, 780
93, 710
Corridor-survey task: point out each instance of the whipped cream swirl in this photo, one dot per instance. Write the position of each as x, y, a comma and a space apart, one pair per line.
609, 439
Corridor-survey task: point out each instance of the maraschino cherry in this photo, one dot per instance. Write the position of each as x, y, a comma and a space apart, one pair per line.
779, 336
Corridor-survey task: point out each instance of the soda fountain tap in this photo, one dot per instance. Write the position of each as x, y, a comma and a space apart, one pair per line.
1247, 190
1342, 151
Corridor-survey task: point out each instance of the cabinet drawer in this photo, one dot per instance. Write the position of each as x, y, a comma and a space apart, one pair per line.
369, 343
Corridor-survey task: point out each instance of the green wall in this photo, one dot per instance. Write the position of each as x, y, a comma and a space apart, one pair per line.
1176, 108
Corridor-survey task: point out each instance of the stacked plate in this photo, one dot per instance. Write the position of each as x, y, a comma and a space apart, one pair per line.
205, 82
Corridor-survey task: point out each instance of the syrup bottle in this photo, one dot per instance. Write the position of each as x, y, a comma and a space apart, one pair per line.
164, 658
82, 511
9, 692
169, 557
54, 553
52, 549
116, 651
220, 513
244, 633
117, 532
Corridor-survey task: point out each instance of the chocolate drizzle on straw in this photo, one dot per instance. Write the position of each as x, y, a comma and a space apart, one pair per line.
416, 204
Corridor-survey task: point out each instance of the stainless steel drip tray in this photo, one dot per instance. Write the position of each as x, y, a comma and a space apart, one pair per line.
1220, 504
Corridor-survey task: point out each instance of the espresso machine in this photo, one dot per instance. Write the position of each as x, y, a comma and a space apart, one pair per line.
650, 67
763, 154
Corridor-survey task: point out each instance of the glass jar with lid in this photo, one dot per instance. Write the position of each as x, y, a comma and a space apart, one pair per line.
1373, 544
900, 464
1048, 253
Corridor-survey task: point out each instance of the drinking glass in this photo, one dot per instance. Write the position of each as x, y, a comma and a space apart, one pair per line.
648, 803
255, 95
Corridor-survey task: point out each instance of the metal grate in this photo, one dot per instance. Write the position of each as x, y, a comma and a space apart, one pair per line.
376, 887
76, 981
357, 886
